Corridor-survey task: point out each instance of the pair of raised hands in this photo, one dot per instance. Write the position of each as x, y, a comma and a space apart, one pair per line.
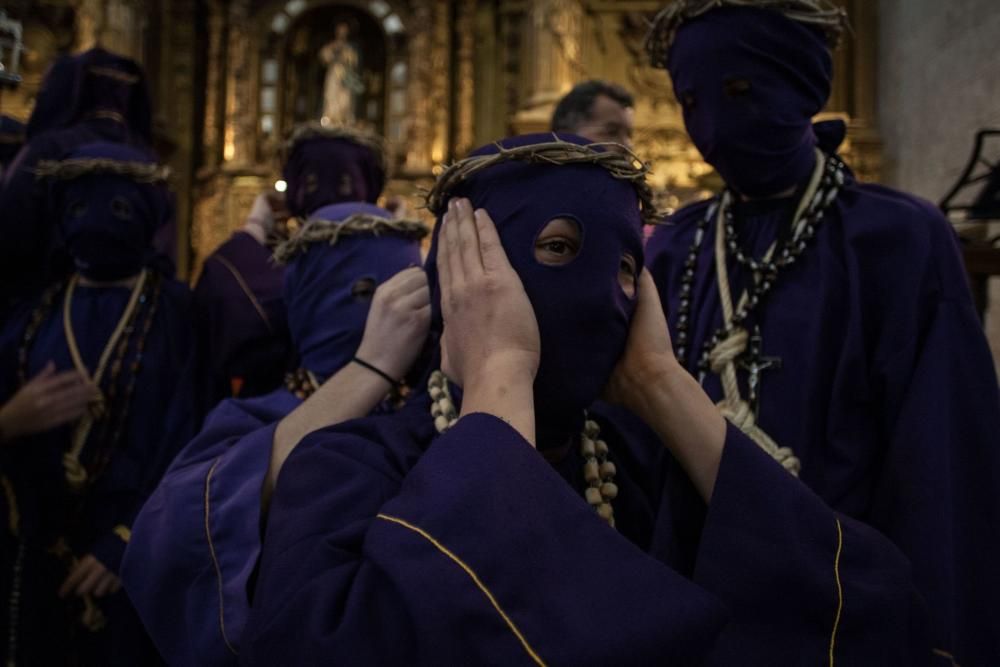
490, 326
491, 347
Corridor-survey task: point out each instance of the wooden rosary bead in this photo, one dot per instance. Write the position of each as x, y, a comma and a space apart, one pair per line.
593, 496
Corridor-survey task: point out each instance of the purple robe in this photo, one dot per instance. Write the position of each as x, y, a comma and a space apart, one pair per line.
11, 140
242, 325
159, 415
886, 390
387, 544
195, 545
196, 541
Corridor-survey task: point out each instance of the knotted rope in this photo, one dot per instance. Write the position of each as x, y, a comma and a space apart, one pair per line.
723, 357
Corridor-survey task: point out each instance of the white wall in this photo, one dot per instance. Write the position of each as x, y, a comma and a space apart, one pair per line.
939, 83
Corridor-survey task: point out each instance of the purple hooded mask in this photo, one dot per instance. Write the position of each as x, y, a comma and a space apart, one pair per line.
750, 81
322, 170
108, 221
583, 314
328, 289
95, 83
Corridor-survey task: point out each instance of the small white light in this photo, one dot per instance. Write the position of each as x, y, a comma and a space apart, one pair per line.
280, 186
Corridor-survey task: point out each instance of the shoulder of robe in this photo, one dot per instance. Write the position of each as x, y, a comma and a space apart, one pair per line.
251, 412
674, 235
902, 230
230, 421
391, 443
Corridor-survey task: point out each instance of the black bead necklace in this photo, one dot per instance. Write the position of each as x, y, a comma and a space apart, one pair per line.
765, 271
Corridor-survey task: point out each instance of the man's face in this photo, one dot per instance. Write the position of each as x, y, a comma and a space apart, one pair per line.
609, 122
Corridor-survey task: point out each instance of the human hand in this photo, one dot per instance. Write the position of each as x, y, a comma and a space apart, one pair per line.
489, 323
399, 207
89, 576
48, 400
649, 354
397, 323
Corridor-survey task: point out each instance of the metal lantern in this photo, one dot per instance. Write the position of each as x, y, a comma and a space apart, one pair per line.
11, 45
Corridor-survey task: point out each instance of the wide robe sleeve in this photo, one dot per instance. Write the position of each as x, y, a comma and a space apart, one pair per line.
937, 492
479, 554
805, 585
938, 496
197, 539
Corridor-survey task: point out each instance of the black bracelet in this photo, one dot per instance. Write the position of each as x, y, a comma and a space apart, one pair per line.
373, 369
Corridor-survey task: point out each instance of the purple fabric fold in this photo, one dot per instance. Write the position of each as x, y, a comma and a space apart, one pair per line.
378, 585
195, 544
244, 345
886, 391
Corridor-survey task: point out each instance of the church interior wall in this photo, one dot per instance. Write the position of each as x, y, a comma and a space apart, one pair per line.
938, 68
915, 80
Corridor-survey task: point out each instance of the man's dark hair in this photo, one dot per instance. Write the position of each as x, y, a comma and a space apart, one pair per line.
575, 108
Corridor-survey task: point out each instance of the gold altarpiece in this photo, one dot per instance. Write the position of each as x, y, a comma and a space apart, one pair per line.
435, 77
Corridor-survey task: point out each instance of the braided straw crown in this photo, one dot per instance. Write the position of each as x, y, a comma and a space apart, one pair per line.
65, 170
823, 14
622, 164
314, 130
317, 230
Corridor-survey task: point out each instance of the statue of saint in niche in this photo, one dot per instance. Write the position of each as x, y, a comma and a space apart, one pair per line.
343, 84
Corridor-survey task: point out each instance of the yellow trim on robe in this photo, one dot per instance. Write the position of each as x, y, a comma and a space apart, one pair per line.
123, 532
238, 277
215, 560
840, 590
475, 579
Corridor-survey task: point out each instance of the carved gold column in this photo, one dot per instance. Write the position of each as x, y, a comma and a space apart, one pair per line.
215, 108
239, 127
552, 59
465, 93
115, 25
177, 67
440, 57
866, 140
418, 148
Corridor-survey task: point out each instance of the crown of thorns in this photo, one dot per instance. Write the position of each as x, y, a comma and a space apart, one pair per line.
823, 14
318, 230
66, 170
622, 164
314, 130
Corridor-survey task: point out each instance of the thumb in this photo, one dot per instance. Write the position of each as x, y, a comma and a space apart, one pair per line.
47, 372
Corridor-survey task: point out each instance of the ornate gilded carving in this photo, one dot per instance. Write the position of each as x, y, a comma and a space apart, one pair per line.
465, 85
552, 60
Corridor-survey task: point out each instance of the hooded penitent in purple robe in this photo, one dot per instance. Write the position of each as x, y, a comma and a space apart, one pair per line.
885, 391
388, 543
196, 542
241, 321
243, 331
90, 97
75, 490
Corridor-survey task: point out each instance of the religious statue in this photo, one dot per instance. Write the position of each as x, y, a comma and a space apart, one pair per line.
343, 83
